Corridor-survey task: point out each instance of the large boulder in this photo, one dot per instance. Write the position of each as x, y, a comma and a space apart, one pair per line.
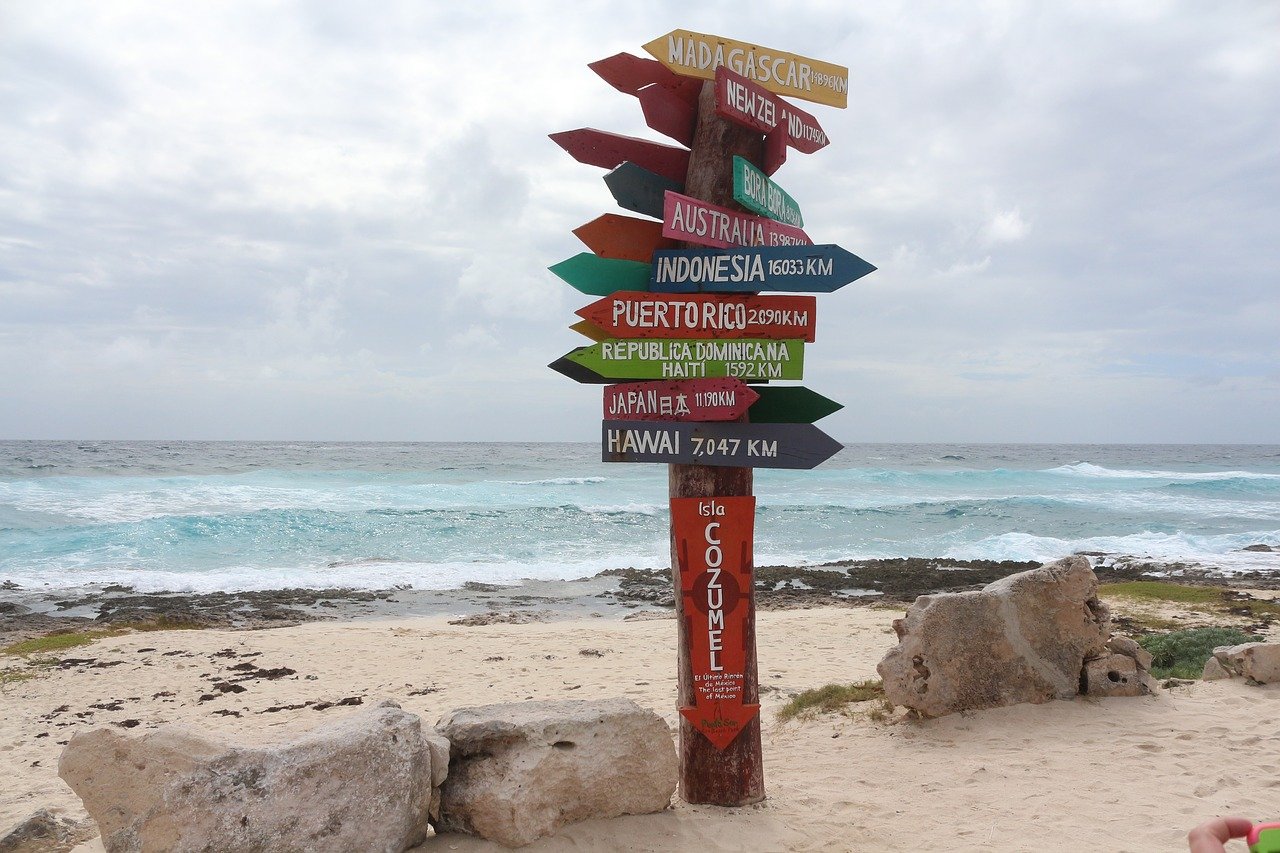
1257, 662
520, 770
362, 783
1023, 638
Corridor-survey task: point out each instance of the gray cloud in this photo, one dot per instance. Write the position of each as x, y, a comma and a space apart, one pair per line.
312, 221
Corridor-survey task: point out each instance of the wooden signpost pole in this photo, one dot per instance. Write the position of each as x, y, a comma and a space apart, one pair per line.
733, 776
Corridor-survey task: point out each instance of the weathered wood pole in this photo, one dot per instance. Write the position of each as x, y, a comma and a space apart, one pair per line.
734, 776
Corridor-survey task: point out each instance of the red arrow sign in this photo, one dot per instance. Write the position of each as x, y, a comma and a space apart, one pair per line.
748, 103
623, 237
713, 544
668, 113
697, 221
636, 314
682, 400
609, 150
630, 74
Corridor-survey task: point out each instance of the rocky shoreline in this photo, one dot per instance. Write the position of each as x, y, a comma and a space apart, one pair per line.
616, 592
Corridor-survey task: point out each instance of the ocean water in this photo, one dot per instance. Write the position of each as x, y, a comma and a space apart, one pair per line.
204, 516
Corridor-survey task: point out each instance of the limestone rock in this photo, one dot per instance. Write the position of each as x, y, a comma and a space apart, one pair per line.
1122, 645
44, 832
521, 770
1116, 675
1214, 670
362, 783
1258, 662
1023, 638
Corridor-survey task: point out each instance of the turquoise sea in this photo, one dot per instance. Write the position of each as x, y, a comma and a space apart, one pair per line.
203, 516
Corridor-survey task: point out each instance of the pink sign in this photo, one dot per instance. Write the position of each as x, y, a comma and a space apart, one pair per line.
695, 221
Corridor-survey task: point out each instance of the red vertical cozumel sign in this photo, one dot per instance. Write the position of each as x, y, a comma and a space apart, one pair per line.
713, 543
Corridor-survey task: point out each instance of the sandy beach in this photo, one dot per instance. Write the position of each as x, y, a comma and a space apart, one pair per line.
1120, 774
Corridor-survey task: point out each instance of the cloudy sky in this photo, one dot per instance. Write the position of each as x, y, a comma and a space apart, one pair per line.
329, 220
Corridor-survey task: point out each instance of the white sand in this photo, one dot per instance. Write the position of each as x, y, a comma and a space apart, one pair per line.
1119, 775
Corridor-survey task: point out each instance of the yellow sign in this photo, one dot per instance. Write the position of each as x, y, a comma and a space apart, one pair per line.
698, 55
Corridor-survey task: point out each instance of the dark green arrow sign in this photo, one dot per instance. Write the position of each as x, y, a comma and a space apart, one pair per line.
789, 405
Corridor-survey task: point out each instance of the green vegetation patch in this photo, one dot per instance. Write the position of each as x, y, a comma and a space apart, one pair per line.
1163, 591
57, 642
1181, 654
832, 697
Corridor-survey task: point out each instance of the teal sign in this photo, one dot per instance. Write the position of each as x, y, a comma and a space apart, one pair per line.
754, 190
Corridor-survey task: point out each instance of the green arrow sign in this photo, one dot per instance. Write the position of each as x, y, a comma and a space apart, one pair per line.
754, 190
598, 276
745, 358
789, 405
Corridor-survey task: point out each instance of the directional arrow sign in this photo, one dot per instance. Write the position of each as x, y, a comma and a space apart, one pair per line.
668, 113
628, 314
682, 400
747, 359
590, 330
713, 544
698, 55
630, 74
753, 190
804, 269
624, 238
637, 189
750, 104
696, 221
607, 150
721, 444
598, 276
792, 404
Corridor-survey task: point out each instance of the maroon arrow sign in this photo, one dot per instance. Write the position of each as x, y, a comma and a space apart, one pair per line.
696, 221
609, 150
668, 113
682, 400
635, 314
748, 103
630, 74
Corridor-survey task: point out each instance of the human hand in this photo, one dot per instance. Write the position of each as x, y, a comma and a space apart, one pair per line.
1210, 836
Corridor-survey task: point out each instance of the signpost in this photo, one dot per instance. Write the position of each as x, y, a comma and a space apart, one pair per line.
689, 321
713, 539
698, 55
599, 276
706, 224
679, 400
639, 190
607, 150
623, 238
627, 314
750, 104
753, 190
735, 445
806, 269
745, 358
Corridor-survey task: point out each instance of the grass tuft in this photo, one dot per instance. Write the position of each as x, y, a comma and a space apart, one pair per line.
832, 697
1182, 654
58, 642
1163, 591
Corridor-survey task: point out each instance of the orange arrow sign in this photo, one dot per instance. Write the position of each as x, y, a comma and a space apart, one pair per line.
713, 544
624, 237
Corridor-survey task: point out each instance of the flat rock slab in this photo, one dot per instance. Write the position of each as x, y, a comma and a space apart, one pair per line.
1023, 638
521, 770
363, 783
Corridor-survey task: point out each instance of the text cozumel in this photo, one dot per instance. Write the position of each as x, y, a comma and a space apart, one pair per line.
713, 543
